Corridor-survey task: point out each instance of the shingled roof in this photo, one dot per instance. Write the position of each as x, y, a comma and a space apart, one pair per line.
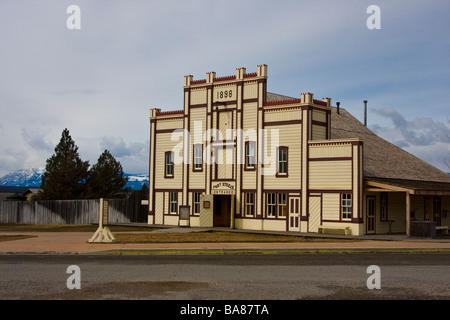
382, 160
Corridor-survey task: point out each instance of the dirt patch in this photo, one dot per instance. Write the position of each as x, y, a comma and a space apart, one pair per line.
199, 237
12, 237
125, 290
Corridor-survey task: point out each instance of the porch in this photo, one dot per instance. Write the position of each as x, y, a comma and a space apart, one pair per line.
400, 206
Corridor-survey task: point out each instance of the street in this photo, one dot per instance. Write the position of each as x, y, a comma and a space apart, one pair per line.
330, 276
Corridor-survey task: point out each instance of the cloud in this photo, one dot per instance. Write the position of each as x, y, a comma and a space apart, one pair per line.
35, 139
118, 148
422, 131
424, 137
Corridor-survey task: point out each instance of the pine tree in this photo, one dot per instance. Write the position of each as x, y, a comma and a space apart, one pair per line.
65, 173
106, 178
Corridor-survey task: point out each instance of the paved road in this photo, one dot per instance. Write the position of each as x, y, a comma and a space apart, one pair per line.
230, 277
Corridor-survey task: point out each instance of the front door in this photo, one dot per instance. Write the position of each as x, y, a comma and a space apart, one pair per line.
370, 215
437, 211
222, 210
294, 214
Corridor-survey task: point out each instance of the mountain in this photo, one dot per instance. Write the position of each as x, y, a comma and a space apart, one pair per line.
32, 178
23, 178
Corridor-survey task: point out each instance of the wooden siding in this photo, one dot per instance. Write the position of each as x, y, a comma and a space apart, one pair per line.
331, 206
330, 175
198, 96
250, 90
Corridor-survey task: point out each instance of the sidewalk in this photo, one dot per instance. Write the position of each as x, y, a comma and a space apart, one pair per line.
77, 243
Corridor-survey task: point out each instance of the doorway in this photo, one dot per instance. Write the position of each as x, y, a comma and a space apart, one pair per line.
222, 210
370, 215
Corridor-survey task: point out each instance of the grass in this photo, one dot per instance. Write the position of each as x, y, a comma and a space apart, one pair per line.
124, 234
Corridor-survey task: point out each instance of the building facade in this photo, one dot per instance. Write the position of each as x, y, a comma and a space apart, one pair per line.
238, 156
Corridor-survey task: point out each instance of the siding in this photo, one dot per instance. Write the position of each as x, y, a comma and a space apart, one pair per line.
331, 206
330, 175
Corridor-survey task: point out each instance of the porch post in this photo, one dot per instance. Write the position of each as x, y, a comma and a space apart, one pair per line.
408, 214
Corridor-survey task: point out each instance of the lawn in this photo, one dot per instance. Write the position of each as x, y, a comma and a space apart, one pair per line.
125, 234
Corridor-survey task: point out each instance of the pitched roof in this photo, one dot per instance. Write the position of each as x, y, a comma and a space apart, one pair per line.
382, 159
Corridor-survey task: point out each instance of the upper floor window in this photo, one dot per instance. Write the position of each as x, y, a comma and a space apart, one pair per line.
198, 157
250, 155
168, 167
282, 161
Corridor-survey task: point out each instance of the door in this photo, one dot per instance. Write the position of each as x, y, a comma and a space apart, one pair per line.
315, 210
370, 215
222, 210
294, 214
437, 211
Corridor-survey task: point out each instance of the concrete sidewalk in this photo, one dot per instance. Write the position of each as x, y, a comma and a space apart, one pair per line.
77, 243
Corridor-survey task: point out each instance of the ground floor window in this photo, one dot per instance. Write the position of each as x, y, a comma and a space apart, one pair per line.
276, 204
281, 205
346, 205
196, 202
173, 197
249, 204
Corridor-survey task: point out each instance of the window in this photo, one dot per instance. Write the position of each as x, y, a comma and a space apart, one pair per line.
173, 197
271, 204
168, 168
249, 204
198, 157
276, 205
196, 202
281, 205
282, 162
250, 155
346, 206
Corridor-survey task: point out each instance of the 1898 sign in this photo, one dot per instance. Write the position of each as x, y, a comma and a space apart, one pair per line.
224, 94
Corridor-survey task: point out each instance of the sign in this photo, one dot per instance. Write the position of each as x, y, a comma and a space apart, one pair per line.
105, 212
223, 188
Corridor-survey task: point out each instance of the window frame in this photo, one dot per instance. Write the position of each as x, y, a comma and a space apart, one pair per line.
196, 148
282, 206
248, 166
173, 202
346, 208
249, 205
281, 150
196, 204
167, 165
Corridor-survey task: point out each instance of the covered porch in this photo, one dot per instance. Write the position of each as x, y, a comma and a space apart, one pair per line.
399, 206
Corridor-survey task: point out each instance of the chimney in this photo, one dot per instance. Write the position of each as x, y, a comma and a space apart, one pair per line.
365, 113
337, 107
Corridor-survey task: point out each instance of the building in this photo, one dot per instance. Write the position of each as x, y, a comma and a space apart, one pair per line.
238, 156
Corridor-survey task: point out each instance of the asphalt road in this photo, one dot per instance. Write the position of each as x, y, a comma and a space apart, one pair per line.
334, 276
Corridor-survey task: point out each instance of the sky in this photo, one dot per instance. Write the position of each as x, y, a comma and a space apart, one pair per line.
124, 57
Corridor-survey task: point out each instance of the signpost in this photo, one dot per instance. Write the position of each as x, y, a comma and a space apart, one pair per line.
103, 234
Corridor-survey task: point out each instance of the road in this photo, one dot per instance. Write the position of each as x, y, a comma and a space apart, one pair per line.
230, 277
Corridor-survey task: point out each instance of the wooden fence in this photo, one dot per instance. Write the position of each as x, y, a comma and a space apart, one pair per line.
72, 211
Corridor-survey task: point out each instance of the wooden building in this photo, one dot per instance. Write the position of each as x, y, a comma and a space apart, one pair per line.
238, 156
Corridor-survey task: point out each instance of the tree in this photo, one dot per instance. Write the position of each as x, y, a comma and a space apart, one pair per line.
65, 173
106, 178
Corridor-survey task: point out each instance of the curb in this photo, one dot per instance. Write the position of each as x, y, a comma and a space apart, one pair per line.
265, 251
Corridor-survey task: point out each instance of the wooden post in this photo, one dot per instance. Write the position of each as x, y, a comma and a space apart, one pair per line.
103, 234
408, 214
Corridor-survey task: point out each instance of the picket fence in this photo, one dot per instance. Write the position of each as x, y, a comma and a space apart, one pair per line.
71, 211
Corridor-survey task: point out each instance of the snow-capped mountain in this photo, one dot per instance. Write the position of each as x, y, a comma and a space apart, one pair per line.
32, 178
23, 178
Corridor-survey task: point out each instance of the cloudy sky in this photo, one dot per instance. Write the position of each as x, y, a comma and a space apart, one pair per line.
128, 56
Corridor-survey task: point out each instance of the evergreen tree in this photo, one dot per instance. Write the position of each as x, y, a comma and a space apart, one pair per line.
65, 173
106, 178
